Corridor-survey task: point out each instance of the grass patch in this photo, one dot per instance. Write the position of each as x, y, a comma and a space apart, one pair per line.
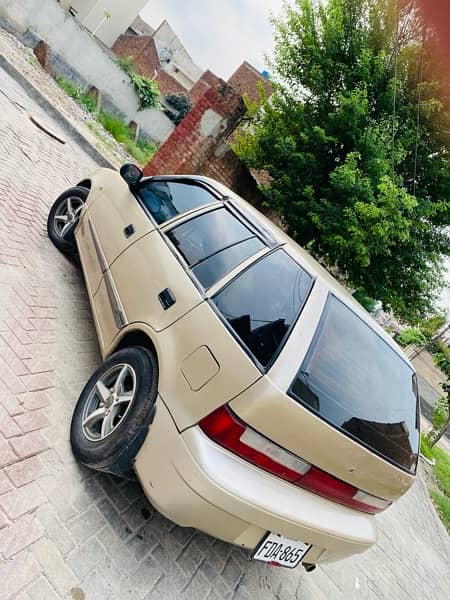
441, 473
79, 94
442, 470
142, 150
443, 505
424, 447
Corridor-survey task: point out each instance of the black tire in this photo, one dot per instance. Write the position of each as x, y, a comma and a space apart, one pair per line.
115, 453
65, 243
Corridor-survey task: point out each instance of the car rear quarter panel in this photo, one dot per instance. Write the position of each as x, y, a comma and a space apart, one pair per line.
271, 412
201, 367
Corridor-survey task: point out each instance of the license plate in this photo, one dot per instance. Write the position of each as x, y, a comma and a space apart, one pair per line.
281, 551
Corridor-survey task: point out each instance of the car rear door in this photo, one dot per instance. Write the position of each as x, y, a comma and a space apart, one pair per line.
152, 283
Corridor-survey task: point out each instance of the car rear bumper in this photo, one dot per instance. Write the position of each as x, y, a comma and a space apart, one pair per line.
196, 483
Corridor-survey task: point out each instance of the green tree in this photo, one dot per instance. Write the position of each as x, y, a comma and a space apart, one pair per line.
356, 142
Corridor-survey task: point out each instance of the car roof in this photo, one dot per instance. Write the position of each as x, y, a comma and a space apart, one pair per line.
304, 258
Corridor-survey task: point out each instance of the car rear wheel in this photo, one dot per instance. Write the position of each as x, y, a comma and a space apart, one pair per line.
63, 217
115, 410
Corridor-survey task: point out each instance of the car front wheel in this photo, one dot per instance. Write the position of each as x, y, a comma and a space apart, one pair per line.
114, 411
63, 218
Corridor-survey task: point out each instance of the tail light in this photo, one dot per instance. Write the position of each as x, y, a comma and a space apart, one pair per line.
229, 431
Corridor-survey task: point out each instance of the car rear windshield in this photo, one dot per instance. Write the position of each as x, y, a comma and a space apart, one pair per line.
263, 303
356, 382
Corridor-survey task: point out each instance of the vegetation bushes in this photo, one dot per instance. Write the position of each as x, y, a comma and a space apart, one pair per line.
423, 333
78, 93
181, 105
142, 150
145, 88
441, 472
411, 335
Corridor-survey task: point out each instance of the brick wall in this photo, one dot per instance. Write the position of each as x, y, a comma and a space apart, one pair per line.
169, 85
207, 80
195, 139
245, 80
143, 50
195, 148
146, 60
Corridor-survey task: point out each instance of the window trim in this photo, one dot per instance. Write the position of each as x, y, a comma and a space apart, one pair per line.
167, 227
309, 352
216, 199
258, 229
210, 299
199, 262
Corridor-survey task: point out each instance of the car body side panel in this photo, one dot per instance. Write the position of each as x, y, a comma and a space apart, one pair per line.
223, 376
113, 207
91, 260
279, 417
142, 273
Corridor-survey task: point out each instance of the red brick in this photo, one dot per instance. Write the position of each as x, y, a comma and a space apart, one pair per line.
43, 337
3, 520
5, 483
25, 471
44, 313
11, 381
19, 332
43, 54
7, 260
18, 502
9, 402
7, 456
20, 349
37, 382
38, 365
7, 425
29, 444
19, 535
42, 324
10, 357
32, 420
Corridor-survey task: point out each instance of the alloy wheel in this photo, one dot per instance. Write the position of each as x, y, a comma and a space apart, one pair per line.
109, 402
67, 215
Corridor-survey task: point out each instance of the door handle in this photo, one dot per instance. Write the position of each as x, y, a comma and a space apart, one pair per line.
167, 298
129, 230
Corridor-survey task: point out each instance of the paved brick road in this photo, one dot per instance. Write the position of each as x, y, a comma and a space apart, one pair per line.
66, 532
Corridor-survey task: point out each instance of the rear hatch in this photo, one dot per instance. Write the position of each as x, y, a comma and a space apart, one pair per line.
349, 406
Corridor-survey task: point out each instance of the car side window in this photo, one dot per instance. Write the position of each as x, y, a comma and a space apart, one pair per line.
213, 244
167, 199
263, 303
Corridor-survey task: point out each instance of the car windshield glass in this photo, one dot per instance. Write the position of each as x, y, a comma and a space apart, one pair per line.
355, 381
213, 244
167, 199
263, 302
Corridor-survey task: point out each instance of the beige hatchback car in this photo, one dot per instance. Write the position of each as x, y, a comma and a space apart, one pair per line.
254, 399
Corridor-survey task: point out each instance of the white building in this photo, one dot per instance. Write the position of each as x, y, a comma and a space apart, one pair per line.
174, 57
106, 19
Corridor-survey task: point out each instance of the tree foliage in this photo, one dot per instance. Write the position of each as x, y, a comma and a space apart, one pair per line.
359, 179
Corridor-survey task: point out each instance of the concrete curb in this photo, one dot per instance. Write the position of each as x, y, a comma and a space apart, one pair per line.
56, 114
